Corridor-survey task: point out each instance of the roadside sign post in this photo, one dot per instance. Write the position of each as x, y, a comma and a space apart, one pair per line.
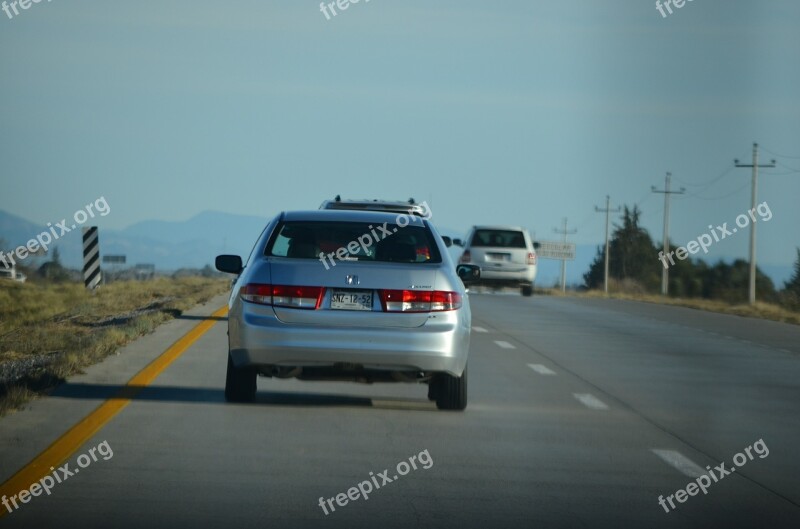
561, 251
114, 260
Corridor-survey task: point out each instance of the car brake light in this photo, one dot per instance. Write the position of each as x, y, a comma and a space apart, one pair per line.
531, 258
283, 295
419, 300
445, 301
465, 257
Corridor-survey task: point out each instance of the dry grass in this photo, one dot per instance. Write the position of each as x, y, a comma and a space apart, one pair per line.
69, 328
765, 311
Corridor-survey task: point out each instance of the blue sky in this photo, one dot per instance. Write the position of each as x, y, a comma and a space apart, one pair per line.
513, 112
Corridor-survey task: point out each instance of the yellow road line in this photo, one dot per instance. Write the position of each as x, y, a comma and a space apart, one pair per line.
75, 437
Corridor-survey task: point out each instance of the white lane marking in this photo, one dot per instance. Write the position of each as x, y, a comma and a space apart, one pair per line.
478, 329
504, 345
679, 461
590, 401
541, 369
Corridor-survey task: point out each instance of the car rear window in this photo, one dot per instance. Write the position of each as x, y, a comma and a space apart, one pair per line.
499, 238
357, 241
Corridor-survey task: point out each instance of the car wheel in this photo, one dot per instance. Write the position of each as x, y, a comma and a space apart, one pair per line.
527, 290
433, 388
240, 383
451, 392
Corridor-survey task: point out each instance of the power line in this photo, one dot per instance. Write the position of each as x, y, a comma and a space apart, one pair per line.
697, 195
782, 173
564, 232
643, 199
755, 166
780, 155
606, 210
787, 167
727, 170
667, 192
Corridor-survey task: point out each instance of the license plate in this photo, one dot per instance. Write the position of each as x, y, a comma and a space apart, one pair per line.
351, 299
498, 257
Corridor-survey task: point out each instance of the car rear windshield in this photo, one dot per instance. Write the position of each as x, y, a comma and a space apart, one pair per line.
499, 238
356, 241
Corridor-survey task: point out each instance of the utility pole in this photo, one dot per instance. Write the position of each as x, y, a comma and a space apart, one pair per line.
564, 232
607, 210
755, 166
667, 193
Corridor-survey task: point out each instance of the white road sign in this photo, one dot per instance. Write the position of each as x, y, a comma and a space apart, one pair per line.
556, 250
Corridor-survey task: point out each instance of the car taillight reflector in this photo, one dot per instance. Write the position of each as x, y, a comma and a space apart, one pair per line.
465, 257
283, 295
531, 258
419, 300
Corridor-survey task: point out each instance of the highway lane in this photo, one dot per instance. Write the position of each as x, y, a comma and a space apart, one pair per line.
570, 400
709, 379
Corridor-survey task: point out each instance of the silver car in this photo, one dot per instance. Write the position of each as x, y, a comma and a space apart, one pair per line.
349, 295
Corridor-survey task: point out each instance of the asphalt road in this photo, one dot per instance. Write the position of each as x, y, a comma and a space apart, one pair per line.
581, 414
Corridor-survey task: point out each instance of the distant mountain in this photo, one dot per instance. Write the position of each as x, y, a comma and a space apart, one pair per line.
194, 243
226, 229
168, 245
16, 230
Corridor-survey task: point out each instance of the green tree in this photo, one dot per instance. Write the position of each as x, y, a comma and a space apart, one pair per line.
793, 285
729, 282
52, 269
791, 288
633, 256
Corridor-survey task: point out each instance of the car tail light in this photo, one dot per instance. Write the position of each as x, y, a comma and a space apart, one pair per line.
419, 300
283, 295
445, 301
466, 257
531, 258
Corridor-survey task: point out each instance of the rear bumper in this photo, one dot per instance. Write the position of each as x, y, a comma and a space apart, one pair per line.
259, 339
522, 275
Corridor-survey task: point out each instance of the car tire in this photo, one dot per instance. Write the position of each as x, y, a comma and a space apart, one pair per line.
240, 383
433, 388
451, 392
526, 290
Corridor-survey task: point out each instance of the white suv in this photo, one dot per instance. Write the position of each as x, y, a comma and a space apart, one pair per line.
505, 254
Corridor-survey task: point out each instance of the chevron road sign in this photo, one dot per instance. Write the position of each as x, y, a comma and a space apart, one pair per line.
91, 258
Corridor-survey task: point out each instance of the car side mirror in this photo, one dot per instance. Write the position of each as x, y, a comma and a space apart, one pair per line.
231, 264
468, 273
536, 245
447, 241
458, 242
